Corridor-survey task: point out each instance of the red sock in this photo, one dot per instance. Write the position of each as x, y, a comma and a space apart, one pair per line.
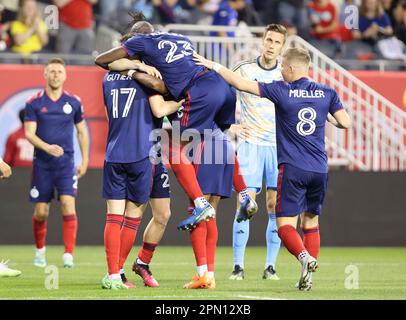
238, 180
211, 243
127, 238
198, 237
311, 240
291, 239
185, 173
70, 229
147, 251
112, 241
40, 232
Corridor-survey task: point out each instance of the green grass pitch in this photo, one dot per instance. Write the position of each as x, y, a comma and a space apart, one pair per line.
380, 273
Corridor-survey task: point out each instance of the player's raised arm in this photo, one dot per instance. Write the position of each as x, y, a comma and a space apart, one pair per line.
340, 119
232, 78
104, 59
161, 108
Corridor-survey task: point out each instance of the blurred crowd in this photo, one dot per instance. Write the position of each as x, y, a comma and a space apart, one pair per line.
349, 29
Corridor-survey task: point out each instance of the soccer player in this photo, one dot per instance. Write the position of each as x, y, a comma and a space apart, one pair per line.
302, 109
127, 178
257, 150
50, 118
5, 271
19, 152
171, 54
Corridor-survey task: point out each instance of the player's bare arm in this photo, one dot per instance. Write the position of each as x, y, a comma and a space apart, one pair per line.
241, 130
161, 108
83, 139
232, 78
30, 128
127, 64
148, 81
104, 59
340, 119
5, 170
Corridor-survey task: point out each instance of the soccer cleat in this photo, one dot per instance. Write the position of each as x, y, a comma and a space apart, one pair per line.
5, 271
197, 282
126, 282
308, 267
270, 274
198, 215
67, 260
143, 271
113, 284
212, 284
247, 209
39, 260
237, 274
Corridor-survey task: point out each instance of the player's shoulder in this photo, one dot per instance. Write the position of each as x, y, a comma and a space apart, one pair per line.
35, 97
245, 64
72, 97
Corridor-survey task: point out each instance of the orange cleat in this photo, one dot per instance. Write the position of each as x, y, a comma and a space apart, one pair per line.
212, 284
197, 282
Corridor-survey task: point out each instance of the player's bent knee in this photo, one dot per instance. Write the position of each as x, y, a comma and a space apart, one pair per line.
162, 218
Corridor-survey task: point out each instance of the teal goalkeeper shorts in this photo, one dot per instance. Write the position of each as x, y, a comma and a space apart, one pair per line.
258, 163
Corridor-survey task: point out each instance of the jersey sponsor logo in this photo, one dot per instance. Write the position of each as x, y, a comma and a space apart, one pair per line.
67, 108
300, 93
306, 126
34, 193
44, 110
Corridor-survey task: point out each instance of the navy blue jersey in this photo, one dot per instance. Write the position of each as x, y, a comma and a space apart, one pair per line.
55, 120
130, 119
301, 113
171, 54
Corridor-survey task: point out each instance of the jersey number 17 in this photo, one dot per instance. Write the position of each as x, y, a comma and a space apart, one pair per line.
130, 93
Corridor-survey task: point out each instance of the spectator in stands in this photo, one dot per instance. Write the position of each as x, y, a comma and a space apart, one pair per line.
293, 15
165, 10
227, 15
324, 27
10, 9
19, 152
374, 24
4, 28
29, 32
267, 10
401, 19
76, 33
389, 6
249, 15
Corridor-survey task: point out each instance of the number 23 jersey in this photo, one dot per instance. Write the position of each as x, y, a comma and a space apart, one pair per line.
171, 54
301, 109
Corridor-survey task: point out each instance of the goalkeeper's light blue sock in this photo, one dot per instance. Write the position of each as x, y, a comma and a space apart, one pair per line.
241, 232
273, 242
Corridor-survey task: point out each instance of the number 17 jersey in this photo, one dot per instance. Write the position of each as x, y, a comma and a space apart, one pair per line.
301, 109
130, 119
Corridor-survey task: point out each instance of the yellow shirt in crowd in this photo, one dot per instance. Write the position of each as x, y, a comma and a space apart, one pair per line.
33, 43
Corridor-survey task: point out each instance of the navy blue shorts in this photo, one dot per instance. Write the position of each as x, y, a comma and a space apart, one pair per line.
209, 99
127, 181
299, 191
160, 185
214, 166
46, 177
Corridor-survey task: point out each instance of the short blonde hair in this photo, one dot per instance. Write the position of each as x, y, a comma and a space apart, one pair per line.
298, 55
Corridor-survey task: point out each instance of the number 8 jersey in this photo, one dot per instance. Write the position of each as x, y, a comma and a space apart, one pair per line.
130, 119
171, 54
301, 109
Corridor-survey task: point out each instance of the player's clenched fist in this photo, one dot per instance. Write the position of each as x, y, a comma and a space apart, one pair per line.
54, 150
5, 170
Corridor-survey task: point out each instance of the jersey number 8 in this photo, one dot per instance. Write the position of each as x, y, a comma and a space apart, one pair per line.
306, 117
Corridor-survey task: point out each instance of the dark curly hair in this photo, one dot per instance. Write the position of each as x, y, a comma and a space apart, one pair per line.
138, 25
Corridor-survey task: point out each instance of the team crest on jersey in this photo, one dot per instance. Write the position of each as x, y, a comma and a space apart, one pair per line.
34, 193
67, 108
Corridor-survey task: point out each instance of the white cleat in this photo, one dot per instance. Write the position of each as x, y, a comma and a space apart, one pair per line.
5, 271
67, 260
308, 267
39, 260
